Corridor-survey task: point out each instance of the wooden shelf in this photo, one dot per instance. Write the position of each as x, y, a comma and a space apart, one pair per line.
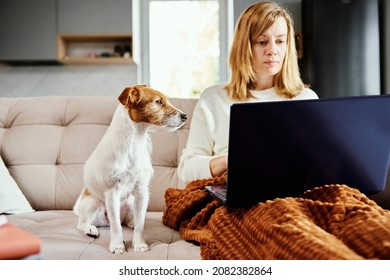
99, 60
94, 49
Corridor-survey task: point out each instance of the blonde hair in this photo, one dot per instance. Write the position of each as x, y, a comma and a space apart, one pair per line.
253, 22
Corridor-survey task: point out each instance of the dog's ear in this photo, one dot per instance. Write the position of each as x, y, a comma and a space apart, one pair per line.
130, 96
124, 96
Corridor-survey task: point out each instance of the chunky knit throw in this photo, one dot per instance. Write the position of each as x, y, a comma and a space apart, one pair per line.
329, 222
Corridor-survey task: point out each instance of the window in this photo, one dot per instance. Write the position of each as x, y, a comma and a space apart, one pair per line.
185, 47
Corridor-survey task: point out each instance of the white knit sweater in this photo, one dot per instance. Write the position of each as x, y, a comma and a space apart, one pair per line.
209, 128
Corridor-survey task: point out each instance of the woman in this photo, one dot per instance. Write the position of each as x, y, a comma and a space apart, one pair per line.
264, 66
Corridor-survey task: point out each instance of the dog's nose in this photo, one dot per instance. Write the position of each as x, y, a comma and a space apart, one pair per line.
183, 117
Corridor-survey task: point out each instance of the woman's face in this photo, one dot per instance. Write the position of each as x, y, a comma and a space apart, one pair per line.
268, 53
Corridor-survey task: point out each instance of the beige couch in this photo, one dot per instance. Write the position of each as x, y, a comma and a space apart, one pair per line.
44, 142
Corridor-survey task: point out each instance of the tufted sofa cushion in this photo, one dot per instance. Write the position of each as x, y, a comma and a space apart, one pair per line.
45, 142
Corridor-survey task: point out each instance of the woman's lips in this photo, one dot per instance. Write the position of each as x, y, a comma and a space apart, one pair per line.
271, 62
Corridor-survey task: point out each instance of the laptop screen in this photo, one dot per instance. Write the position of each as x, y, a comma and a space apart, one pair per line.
279, 149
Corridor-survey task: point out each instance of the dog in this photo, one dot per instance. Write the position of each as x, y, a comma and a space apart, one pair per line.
119, 170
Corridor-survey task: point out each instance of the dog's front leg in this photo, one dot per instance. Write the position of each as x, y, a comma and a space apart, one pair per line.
140, 205
112, 198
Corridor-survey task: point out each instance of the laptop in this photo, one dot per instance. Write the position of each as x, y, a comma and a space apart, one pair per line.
281, 149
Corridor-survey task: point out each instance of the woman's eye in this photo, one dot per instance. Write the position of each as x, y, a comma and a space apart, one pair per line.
262, 43
279, 42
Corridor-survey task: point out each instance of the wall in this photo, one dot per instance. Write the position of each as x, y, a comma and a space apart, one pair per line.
102, 80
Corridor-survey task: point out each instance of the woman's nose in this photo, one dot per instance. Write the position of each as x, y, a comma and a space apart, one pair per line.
271, 48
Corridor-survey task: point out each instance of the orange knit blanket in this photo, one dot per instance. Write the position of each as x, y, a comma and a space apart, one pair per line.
330, 222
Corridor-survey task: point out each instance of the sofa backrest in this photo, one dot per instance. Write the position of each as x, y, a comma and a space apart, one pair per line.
45, 141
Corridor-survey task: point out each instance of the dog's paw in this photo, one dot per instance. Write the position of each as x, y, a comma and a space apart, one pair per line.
92, 231
139, 243
117, 249
142, 247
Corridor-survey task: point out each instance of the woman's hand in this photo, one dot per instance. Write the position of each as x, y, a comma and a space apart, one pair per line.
218, 165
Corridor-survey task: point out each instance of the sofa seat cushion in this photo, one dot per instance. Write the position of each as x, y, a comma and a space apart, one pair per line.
62, 240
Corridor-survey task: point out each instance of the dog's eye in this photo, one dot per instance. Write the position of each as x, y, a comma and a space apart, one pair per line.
159, 102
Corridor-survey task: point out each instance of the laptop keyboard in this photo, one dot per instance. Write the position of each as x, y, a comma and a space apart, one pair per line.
221, 193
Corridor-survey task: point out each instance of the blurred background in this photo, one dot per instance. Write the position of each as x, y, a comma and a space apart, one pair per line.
98, 47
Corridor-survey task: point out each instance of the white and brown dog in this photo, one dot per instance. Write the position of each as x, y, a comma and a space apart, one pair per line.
118, 172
